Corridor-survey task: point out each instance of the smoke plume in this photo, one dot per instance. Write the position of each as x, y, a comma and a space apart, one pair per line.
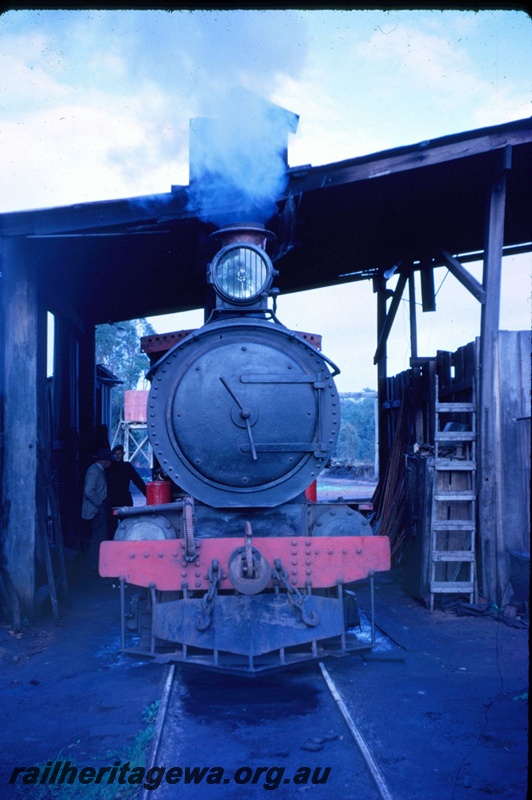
238, 159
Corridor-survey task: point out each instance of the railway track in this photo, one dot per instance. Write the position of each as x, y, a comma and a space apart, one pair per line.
229, 739
365, 751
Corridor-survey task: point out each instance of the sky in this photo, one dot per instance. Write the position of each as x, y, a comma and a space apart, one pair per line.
96, 105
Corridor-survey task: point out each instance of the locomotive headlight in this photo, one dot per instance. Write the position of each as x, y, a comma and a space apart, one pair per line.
241, 273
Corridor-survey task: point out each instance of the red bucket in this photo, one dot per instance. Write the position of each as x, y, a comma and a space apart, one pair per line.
311, 492
158, 492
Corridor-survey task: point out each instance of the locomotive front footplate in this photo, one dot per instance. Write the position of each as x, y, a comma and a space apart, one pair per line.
293, 602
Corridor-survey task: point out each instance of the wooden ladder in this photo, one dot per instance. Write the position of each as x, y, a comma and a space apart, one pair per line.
454, 499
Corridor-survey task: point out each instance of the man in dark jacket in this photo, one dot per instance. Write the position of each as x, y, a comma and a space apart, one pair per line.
119, 476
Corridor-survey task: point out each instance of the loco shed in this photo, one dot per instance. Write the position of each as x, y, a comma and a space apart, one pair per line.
421, 210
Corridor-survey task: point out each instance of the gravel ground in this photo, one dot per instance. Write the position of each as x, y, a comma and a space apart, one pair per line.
445, 713
66, 692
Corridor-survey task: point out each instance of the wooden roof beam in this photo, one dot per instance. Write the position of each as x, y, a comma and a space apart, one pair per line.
84, 218
465, 277
410, 157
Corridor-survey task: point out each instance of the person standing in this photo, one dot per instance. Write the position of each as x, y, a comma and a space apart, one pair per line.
119, 477
94, 507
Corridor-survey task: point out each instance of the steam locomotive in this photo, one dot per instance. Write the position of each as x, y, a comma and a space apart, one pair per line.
239, 570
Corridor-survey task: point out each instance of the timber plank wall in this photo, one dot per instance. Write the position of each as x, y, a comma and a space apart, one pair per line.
409, 410
514, 382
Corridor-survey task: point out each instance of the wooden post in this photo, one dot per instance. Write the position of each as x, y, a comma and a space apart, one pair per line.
65, 415
24, 362
383, 415
385, 325
490, 505
85, 405
413, 320
86, 385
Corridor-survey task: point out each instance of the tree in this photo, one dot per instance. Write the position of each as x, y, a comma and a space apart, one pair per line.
118, 349
348, 447
356, 441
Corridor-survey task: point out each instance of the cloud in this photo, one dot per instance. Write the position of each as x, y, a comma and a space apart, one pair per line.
124, 85
81, 152
191, 53
502, 105
324, 119
128, 83
454, 64
426, 60
24, 82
